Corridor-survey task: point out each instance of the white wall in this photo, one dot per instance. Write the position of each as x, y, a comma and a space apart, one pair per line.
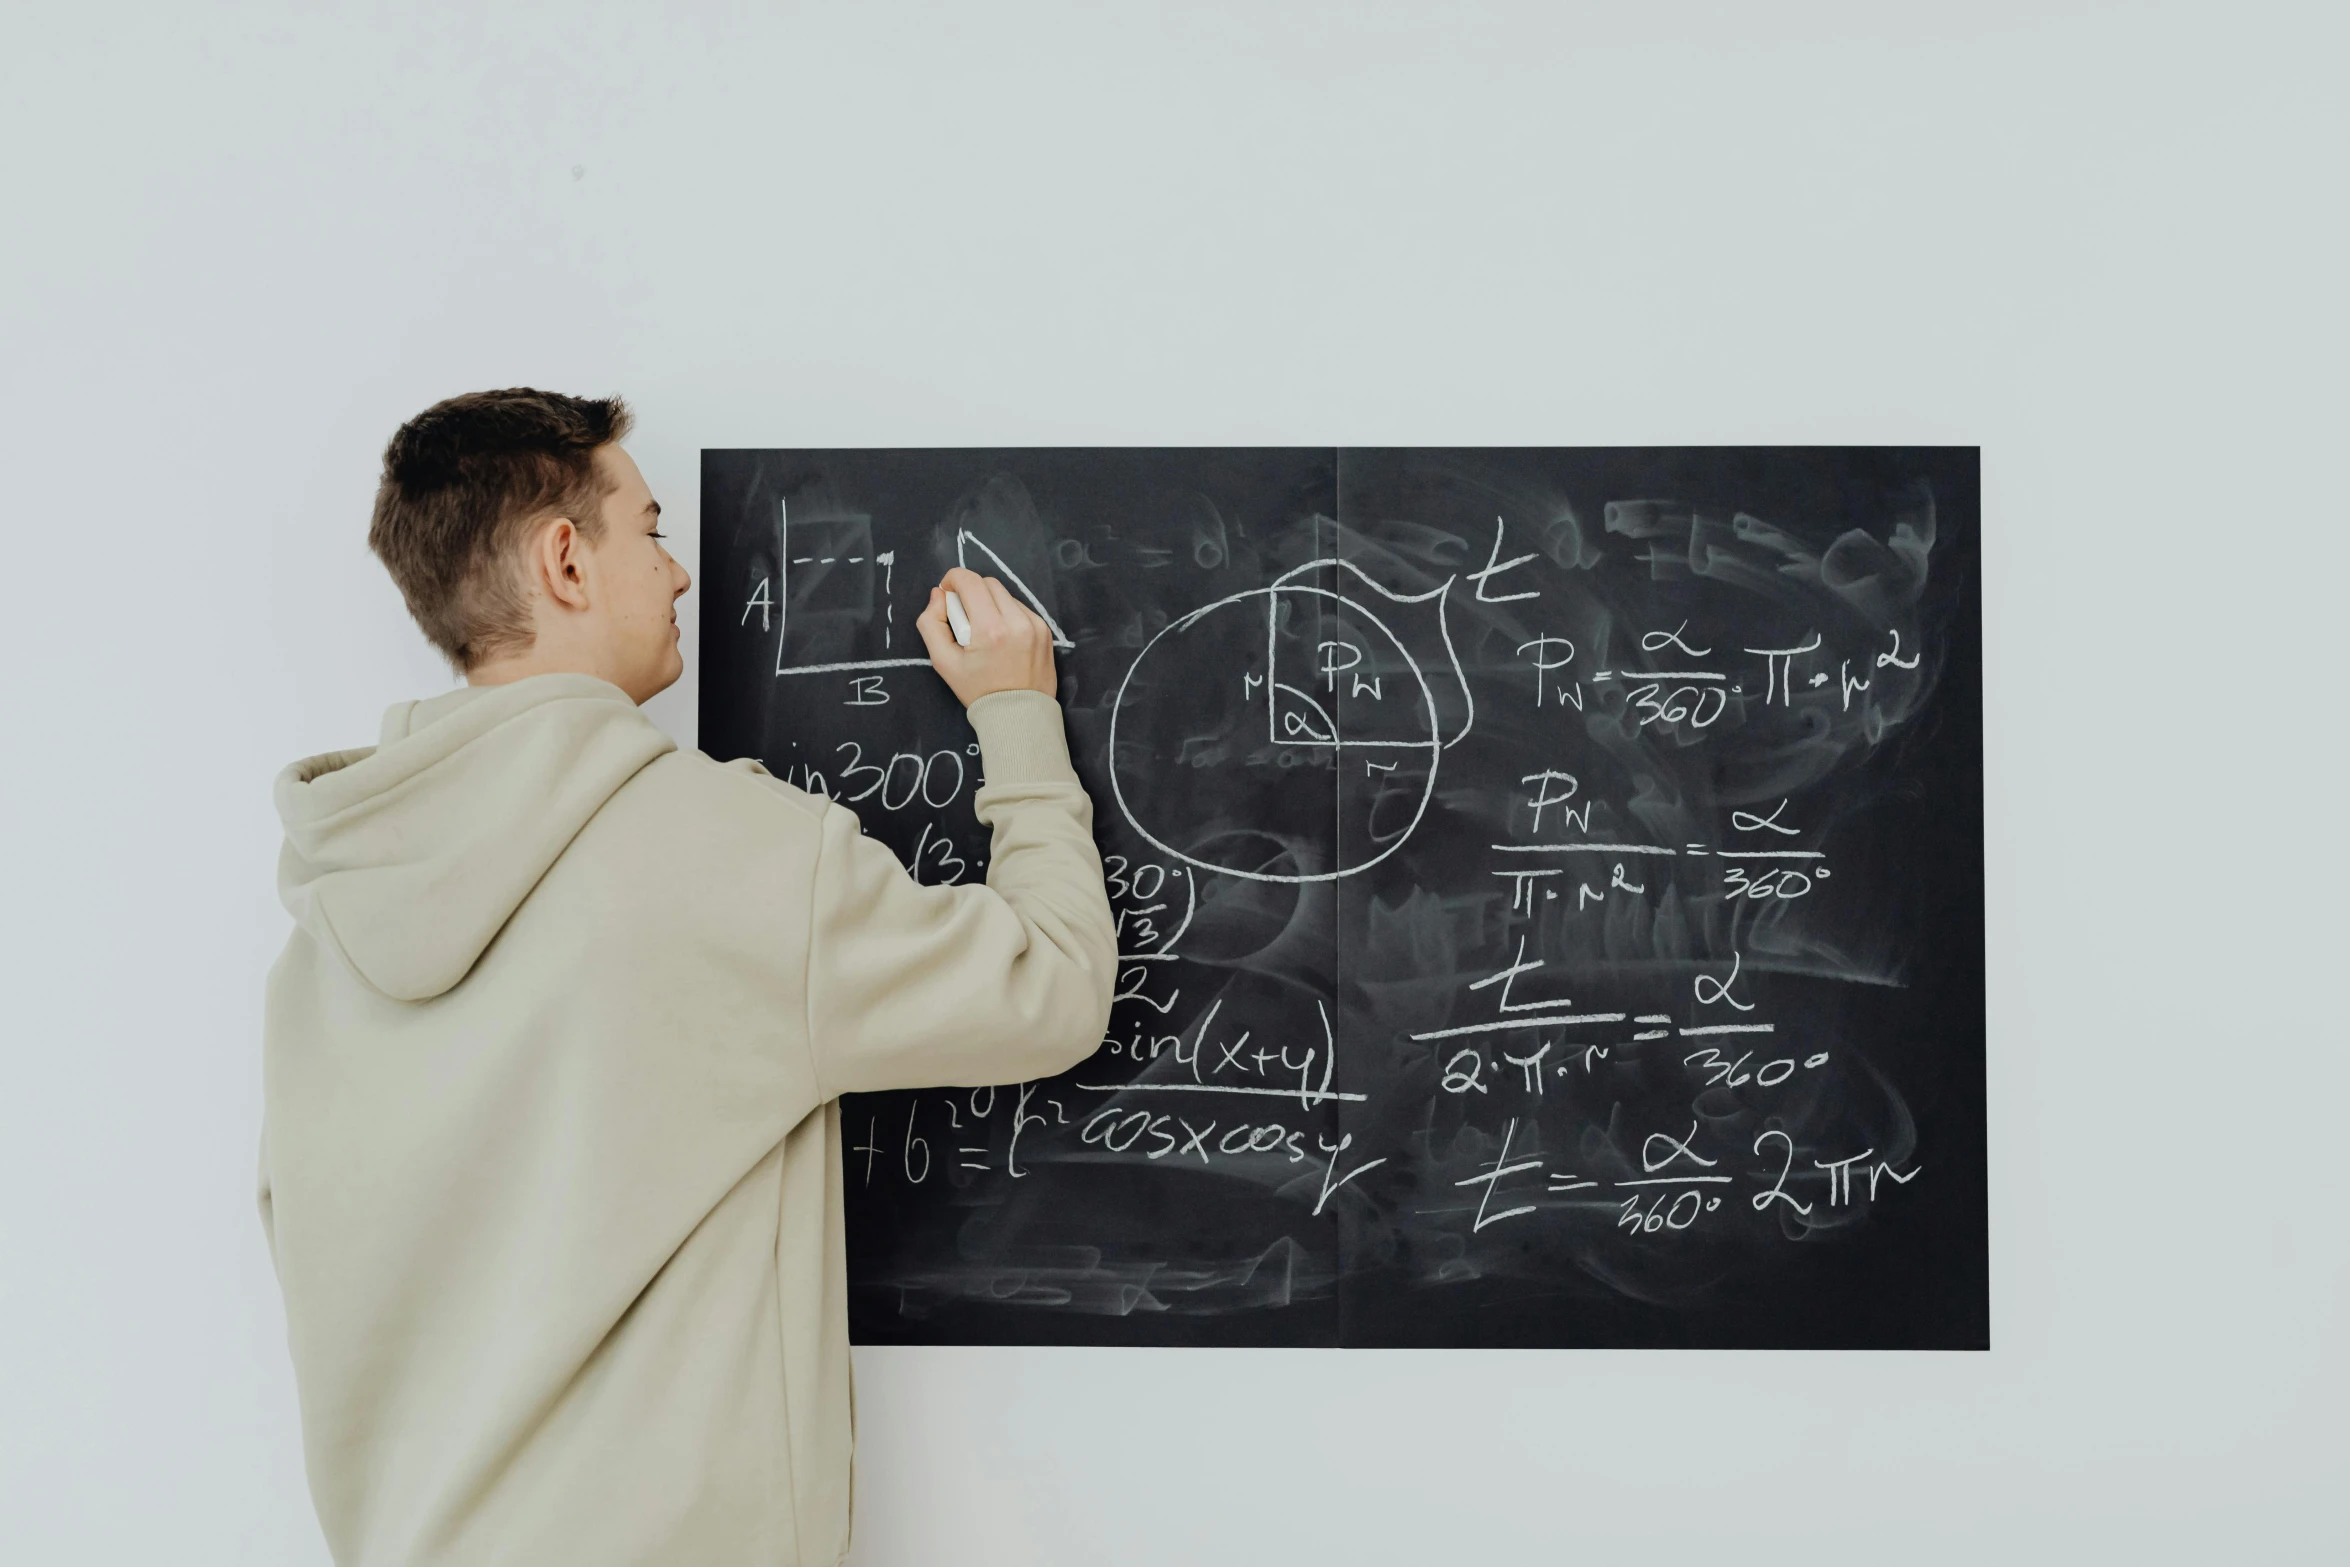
2105, 241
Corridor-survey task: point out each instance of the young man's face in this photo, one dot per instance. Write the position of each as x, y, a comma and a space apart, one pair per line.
638, 584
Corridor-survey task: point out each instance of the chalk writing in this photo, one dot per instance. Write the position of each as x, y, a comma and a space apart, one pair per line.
1447, 1006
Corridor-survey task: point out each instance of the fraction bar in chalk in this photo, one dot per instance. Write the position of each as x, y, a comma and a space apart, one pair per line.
1218, 1088
1671, 1180
1654, 1017
862, 663
1579, 848
1771, 854
1523, 1022
1526, 873
1732, 1028
1670, 674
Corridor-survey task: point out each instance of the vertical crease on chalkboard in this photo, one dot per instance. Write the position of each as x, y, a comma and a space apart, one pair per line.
1338, 892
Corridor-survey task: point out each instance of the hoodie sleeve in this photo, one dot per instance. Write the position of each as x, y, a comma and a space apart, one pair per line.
950, 986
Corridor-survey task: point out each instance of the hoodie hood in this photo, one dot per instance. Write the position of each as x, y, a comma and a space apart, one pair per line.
410, 856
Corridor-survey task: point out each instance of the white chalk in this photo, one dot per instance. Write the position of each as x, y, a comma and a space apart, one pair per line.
958, 622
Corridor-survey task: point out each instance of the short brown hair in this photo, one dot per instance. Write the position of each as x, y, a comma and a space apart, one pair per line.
463, 482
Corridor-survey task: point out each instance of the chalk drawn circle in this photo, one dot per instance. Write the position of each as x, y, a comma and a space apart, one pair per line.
1433, 746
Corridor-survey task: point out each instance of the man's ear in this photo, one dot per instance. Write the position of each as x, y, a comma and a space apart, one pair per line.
559, 560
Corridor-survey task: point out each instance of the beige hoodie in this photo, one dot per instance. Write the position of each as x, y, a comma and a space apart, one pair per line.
551, 1163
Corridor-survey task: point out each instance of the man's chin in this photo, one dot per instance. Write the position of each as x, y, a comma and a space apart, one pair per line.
671, 669
657, 679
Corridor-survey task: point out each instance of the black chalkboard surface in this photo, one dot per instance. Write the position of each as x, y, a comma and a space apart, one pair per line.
1551, 885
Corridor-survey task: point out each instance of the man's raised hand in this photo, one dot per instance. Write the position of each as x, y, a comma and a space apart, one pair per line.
1011, 646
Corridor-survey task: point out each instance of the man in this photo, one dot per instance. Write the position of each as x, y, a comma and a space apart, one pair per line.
551, 1163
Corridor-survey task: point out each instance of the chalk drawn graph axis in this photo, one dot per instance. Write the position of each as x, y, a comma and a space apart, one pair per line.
783, 564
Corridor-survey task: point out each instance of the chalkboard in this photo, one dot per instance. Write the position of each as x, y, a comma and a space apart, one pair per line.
1549, 885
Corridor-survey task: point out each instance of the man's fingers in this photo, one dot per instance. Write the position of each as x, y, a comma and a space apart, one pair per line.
979, 606
1016, 612
935, 610
937, 635
991, 607
1011, 646
1010, 608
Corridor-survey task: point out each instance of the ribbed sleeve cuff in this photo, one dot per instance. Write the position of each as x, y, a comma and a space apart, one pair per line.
1021, 738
